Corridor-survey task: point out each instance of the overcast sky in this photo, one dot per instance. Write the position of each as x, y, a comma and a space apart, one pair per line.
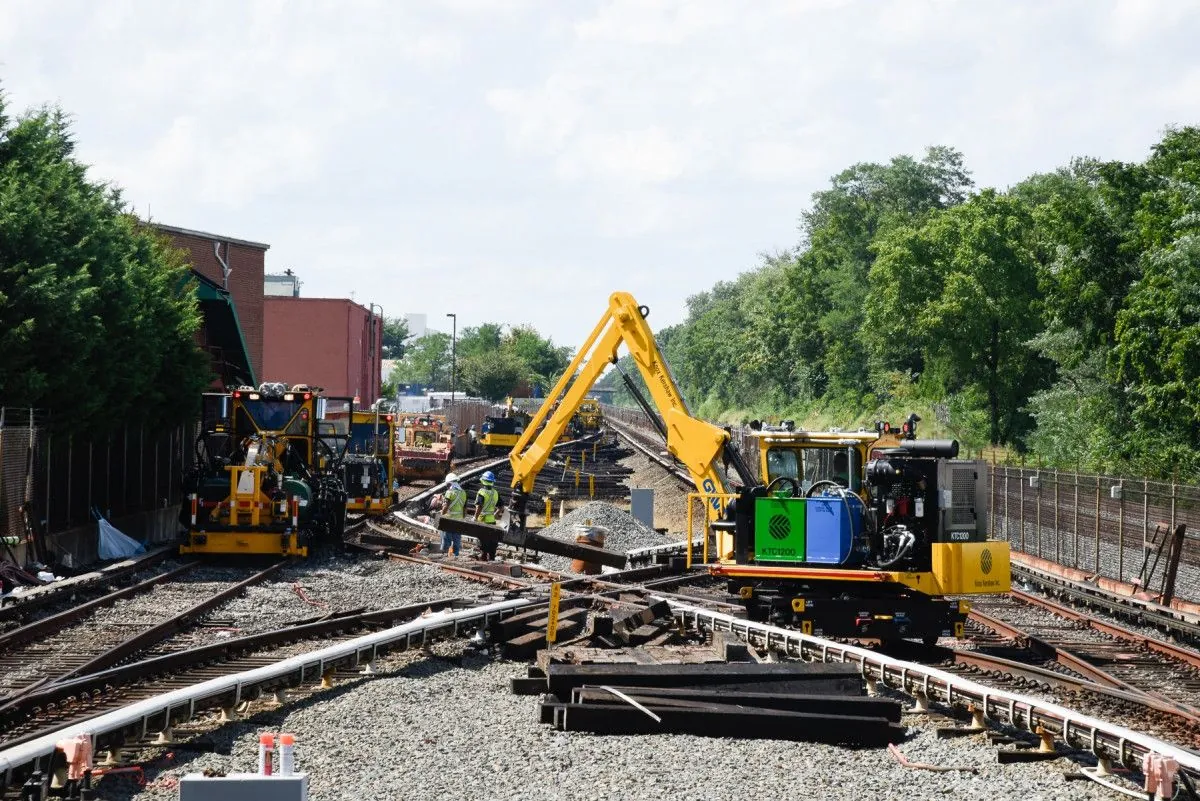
517, 161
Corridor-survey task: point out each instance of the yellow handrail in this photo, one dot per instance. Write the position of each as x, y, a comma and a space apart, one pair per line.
704, 498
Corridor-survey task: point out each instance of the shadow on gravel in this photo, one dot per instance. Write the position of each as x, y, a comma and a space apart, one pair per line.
211, 749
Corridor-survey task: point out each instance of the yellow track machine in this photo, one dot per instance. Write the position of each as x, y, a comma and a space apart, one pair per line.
267, 476
865, 534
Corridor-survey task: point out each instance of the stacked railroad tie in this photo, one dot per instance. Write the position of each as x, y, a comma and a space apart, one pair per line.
777, 701
630, 670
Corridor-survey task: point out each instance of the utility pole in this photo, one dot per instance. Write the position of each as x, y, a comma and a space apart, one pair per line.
453, 353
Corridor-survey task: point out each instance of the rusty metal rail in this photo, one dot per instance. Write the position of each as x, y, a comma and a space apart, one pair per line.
53, 623
159, 712
1076, 730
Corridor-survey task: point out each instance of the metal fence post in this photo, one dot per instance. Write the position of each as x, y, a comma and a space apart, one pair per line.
1174, 497
1096, 555
125, 469
90, 471
154, 497
992, 495
1057, 532
1007, 525
46, 510
1021, 503
1075, 525
1038, 516
1121, 531
1145, 514
70, 455
141, 468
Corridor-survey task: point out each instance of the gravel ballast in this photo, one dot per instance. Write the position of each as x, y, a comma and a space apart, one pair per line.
623, 531
431, 728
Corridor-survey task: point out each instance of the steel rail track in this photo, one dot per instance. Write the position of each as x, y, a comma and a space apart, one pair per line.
80, 698
1068, 659
638, 441
135, 644
1168, 649
58, 622
17, 606
1101, 738
1179, 624
159, 712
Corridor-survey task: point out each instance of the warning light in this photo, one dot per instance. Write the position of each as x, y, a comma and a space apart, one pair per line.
237, 394
308, 396
388, 418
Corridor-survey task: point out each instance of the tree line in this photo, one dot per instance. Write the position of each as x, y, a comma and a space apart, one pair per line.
490, 360
98, 315
1059, 318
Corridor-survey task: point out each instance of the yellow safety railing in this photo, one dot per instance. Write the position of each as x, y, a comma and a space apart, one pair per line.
704, 498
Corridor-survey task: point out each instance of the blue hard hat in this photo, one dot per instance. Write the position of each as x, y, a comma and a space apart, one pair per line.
488, 478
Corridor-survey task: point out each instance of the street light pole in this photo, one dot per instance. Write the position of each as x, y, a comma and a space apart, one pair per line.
453, 354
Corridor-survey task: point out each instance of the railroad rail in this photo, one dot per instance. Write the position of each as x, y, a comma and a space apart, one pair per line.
104, 646
1182, 626
160, 711
1105, 740
21, 605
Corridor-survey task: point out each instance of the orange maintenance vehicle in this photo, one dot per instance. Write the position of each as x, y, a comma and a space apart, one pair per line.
424, 448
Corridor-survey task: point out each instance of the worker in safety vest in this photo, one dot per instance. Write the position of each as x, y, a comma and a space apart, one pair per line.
486, 501
454, 506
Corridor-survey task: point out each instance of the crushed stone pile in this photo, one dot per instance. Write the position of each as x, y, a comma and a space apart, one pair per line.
624, 532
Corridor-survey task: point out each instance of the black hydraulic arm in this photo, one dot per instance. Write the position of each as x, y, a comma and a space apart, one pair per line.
659, 425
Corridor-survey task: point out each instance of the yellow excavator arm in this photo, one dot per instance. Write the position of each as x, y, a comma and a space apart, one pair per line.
695, 443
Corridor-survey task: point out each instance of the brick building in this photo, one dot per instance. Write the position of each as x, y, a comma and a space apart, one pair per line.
327, 342
236, 268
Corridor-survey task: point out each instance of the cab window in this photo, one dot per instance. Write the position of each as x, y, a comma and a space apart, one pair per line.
782, 462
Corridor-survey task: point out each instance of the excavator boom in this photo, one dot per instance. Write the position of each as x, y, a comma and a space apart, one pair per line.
695, 443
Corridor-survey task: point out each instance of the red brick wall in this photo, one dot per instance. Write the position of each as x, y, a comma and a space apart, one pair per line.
245, 282
326, 342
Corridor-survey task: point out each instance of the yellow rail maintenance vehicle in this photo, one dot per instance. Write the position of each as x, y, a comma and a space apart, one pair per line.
424, 449
865, 534
502, 429
267, 475
589, 417
870, 534
369, 465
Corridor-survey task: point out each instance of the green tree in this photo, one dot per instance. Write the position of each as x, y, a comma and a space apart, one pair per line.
395, 337
962, 290
97, 316
426, 362
479, 340
1157, 357
492, 376
543, 361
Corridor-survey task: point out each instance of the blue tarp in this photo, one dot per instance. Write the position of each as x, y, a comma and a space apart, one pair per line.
114, 544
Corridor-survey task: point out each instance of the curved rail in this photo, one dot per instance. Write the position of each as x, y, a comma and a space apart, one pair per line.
157, 713
1077, 730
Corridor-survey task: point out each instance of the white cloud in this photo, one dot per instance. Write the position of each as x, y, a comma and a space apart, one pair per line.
417, 153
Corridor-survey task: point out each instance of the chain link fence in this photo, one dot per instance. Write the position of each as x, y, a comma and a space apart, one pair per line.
1126, 529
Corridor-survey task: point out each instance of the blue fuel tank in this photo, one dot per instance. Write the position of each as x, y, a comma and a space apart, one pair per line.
834, 530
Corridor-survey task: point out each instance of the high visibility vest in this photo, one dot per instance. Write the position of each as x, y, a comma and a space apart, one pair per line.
486, 499
456, 502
